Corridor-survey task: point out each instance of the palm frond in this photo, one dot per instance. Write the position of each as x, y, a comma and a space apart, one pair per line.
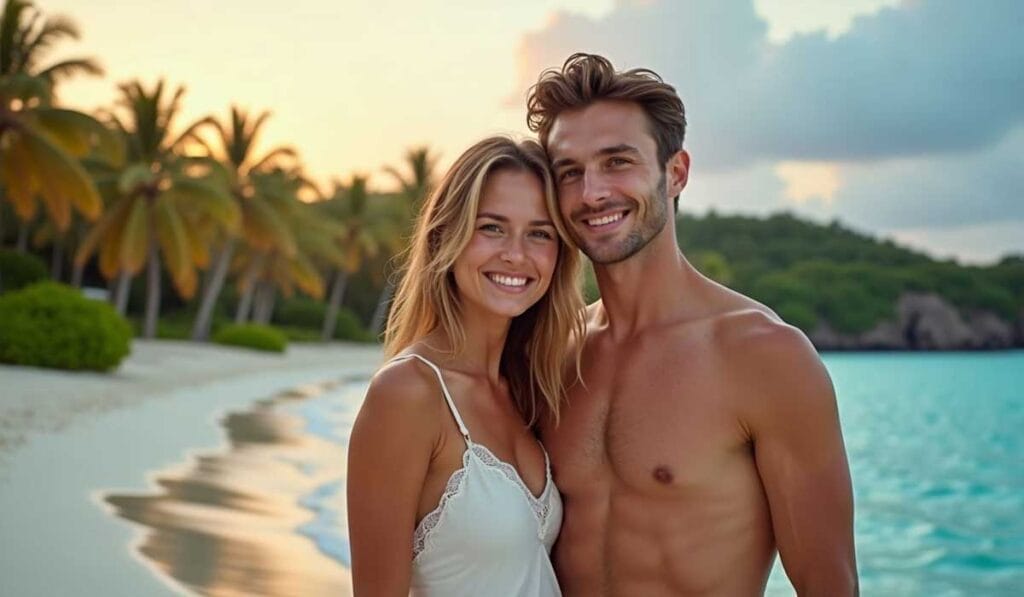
135, 237
66, 69
174, 245
61, 178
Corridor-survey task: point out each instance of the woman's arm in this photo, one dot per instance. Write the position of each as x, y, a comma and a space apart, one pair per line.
392, 441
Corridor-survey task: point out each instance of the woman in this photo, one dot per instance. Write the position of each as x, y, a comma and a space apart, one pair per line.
449, 491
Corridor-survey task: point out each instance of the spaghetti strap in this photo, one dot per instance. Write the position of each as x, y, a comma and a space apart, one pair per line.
444, 389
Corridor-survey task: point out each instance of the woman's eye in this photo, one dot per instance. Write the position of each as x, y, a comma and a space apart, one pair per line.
544, 234
490, 228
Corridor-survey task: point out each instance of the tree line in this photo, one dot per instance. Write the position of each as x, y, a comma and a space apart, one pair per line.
129, 192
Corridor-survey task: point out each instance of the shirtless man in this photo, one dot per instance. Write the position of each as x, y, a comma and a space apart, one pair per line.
704, 434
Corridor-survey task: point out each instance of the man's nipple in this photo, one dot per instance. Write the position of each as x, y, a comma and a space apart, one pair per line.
663, 475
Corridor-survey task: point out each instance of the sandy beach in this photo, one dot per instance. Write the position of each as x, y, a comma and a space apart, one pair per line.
66, 438
37, 401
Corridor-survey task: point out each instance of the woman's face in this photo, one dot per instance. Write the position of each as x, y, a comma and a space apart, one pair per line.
510, 259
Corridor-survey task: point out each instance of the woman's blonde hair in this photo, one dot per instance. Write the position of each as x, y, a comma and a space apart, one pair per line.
540, 340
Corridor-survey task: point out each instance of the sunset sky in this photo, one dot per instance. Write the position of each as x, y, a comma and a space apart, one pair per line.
902, 119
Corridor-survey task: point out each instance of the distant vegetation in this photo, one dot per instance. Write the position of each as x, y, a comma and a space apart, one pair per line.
809, 272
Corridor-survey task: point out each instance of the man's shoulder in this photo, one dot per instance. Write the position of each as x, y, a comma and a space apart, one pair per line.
759, 343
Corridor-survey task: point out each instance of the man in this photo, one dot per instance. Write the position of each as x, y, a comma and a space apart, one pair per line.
704, 434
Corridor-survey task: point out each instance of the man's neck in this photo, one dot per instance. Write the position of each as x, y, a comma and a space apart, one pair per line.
649, 288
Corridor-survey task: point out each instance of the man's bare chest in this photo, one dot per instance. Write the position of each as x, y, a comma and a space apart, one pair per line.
651, 423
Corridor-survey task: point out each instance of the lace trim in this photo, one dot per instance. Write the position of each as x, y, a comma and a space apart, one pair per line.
541, 505
423, 529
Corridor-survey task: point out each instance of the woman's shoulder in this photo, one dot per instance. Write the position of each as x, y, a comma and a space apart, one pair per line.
406, 384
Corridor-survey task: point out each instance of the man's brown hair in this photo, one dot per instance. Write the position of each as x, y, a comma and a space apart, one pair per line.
587, 78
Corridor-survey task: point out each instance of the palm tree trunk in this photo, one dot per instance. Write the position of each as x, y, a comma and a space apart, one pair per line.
257, 302
152, 291
57, 259
244, 305
77, 271
249, 287
121, 290
334, 305
381, 312
264, 304
211, 292
22, 245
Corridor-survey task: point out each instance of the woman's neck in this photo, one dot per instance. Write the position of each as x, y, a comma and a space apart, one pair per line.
482, 346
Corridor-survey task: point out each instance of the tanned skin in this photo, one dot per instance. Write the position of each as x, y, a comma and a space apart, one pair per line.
704, 436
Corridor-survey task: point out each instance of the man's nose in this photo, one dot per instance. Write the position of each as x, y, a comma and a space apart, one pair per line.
595, 188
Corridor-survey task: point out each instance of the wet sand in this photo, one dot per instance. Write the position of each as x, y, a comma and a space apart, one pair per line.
78, 449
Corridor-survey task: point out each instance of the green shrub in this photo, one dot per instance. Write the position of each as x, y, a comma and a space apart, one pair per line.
350, 328
300, 312
298, 334
52, 325
302, 319
18, 270
252, 335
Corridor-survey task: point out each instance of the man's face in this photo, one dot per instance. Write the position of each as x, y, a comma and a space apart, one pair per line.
611, 187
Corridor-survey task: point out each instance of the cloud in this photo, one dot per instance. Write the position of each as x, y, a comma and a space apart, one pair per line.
928, 77
909, 123
938, 191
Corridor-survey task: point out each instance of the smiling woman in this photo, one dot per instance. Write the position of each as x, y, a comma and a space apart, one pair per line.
449, 491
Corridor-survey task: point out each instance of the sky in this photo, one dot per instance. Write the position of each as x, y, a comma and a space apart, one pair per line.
899, 118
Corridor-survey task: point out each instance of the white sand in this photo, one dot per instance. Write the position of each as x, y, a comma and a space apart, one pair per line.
67, 436
35, 400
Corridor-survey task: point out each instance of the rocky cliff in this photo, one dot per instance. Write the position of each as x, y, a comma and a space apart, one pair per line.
927, 322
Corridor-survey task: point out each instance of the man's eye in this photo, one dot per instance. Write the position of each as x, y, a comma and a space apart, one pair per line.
567, 174
618, 162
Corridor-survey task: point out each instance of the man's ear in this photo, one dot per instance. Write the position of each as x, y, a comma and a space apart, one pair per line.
677, 172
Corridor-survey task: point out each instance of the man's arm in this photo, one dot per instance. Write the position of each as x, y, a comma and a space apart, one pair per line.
798, 447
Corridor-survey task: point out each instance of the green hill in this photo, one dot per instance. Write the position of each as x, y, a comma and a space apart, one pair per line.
811, 273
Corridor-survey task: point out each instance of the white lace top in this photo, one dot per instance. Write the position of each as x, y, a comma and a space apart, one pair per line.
489, 535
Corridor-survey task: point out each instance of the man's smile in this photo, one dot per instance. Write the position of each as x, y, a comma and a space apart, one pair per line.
604, 221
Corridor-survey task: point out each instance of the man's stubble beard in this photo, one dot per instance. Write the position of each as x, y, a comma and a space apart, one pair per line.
654, 219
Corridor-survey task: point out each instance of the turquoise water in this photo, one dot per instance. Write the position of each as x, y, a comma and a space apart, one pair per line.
934, 441
936, 449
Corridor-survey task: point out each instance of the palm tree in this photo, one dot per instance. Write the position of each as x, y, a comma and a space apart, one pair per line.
275, 255
237, 156
413, 188
417, 183
40, 143
358, 240
166, 203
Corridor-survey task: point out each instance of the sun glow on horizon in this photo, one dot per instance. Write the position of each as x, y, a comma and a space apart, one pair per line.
810, 181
